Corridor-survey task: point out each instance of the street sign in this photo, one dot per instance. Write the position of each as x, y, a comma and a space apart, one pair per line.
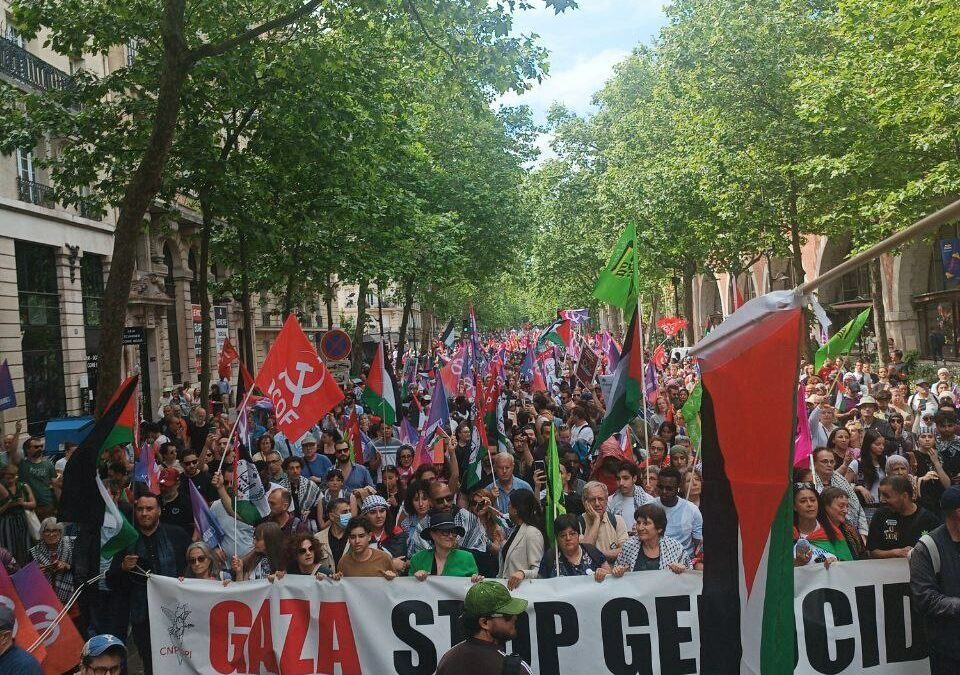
134, 335
335, 345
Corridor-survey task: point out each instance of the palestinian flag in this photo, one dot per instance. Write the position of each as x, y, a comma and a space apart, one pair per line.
250, 501
747, 618
379, 392
560, 333
80, 501
626, 391
117, 534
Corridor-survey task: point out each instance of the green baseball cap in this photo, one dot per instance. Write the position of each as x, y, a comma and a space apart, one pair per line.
490, 597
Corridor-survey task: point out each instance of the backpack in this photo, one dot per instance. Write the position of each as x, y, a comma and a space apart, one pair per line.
934, 552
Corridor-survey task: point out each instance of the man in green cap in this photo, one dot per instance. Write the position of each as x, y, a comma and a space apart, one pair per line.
490, 619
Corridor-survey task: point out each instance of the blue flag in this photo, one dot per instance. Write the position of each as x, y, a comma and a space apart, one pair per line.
439, 415
8, 397
207, 525
526, 368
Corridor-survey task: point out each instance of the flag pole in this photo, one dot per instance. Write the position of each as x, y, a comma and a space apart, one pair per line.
233, 429
643, 372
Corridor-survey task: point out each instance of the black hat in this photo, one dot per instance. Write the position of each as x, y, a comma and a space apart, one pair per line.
442, 521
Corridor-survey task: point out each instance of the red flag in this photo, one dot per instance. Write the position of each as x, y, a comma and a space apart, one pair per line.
42, 605
24, 631
227, 356
453, 371
295, 379
354, 437
660, 357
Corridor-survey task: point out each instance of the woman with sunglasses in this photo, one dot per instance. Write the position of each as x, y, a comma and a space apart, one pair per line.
304, 557
405, 467
203, 564
903, 440
445, 558
482, 506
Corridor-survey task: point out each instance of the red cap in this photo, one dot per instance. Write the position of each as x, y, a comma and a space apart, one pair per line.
169, 477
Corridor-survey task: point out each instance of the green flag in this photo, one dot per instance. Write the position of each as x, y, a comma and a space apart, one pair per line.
841, 343
691, 414
555, 506
616, 283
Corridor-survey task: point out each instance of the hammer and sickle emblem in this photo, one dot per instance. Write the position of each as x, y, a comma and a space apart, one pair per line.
298, 390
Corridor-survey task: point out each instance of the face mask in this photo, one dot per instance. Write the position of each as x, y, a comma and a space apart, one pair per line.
344, 519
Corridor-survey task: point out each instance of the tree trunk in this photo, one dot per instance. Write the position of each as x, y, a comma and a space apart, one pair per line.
688, 272
879, 313
798, 274
405, 318
328, 298
248, 337
380, 310
288, 294
654, 308
203, 281
357, 355
137, 198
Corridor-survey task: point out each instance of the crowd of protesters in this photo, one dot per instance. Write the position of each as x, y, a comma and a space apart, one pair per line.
886, 455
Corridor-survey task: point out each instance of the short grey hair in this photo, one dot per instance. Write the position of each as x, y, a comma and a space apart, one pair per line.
596, 485
51, 523
504, 456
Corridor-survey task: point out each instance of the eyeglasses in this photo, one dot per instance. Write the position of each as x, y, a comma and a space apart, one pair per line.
443, 500
195, 561
105, 670
191, 463
476, 505
308, 549
445, 533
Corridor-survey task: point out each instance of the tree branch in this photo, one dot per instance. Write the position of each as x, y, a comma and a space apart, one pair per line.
219, 48
415, 14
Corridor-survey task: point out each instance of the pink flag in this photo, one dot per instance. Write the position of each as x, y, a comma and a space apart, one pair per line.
453, 371
803, 445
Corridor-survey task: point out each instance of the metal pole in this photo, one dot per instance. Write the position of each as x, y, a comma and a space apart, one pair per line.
919, 228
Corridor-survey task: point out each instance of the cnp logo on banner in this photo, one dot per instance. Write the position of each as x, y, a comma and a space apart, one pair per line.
296, 381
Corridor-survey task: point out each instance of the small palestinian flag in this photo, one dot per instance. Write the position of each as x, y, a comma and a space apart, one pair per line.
626, 390
379, 392
747, 617
560, 333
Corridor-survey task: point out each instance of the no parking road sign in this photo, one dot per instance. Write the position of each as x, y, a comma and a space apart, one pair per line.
335, 345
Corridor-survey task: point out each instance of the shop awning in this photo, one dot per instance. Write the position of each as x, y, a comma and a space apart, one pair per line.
65, 430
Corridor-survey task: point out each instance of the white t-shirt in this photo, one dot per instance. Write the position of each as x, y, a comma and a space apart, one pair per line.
625, 506
684, 523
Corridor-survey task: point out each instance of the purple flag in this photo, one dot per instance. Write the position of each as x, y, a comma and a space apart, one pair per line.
650, 382
439, 415
408, 435
146, 470
209, 528
8, 397
803, 446
611, 351
526, 368
576, 316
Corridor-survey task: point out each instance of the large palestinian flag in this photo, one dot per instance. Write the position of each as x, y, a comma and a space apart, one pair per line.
379, 394
747, 622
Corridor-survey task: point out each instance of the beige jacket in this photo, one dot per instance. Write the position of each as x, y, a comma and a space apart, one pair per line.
524, 554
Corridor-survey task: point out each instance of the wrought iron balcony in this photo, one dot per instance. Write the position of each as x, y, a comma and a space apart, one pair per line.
21, 65
35, 193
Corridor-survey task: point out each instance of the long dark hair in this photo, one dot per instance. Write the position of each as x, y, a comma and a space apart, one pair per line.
528, 508
869, 470
831, 441
822, 516
275, 545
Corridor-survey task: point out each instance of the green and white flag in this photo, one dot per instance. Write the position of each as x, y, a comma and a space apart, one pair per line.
251, 499
841, 343
617, 284
117, 534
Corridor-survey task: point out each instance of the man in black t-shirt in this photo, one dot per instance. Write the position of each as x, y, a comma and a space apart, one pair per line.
897, 527
175, 506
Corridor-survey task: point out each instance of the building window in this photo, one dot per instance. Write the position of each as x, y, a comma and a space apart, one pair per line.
42, 348
855, 285
264, 316
133, 48
13, 34
91, 282
173, 331
306, 320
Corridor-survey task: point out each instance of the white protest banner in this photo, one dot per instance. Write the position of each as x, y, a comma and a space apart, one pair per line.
853, 618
